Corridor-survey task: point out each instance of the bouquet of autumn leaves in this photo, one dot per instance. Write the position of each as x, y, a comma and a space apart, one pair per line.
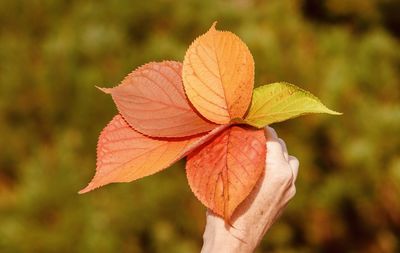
205, 109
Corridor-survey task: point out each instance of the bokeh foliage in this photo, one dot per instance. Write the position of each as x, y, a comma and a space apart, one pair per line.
53, 53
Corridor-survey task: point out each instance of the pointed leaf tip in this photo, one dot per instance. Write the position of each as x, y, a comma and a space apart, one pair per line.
105, 90
332, 112
87, 189
277, 102
213, 26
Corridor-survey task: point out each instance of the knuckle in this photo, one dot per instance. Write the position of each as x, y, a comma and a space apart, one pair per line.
273, 145
292, 191
294, 161
284, 176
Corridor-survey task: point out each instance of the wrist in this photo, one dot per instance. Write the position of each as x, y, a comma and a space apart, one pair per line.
218, 238
225, 244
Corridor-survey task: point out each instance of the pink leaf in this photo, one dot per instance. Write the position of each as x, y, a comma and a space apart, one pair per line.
124, 155
153, 102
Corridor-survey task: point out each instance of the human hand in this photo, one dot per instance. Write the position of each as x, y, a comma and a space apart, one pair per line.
263, 206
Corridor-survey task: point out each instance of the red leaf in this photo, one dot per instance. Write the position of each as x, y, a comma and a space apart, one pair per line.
153, 102
124, 155
223, 172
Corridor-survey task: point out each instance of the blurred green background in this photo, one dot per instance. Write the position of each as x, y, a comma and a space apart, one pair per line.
53, 53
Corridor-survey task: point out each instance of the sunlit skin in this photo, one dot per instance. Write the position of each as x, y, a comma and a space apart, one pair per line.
254, 216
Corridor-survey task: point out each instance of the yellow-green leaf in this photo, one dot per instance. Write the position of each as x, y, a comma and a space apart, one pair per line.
277, 102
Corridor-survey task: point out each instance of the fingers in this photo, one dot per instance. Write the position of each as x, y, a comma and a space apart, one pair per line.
270, 133
294, 165
276, 146
284, 149
276, 149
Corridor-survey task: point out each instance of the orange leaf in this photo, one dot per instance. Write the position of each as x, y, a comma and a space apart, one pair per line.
124, 155
218, 75
223, 172
153, 102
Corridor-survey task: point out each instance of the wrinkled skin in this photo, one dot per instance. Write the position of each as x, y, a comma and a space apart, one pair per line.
259, 211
